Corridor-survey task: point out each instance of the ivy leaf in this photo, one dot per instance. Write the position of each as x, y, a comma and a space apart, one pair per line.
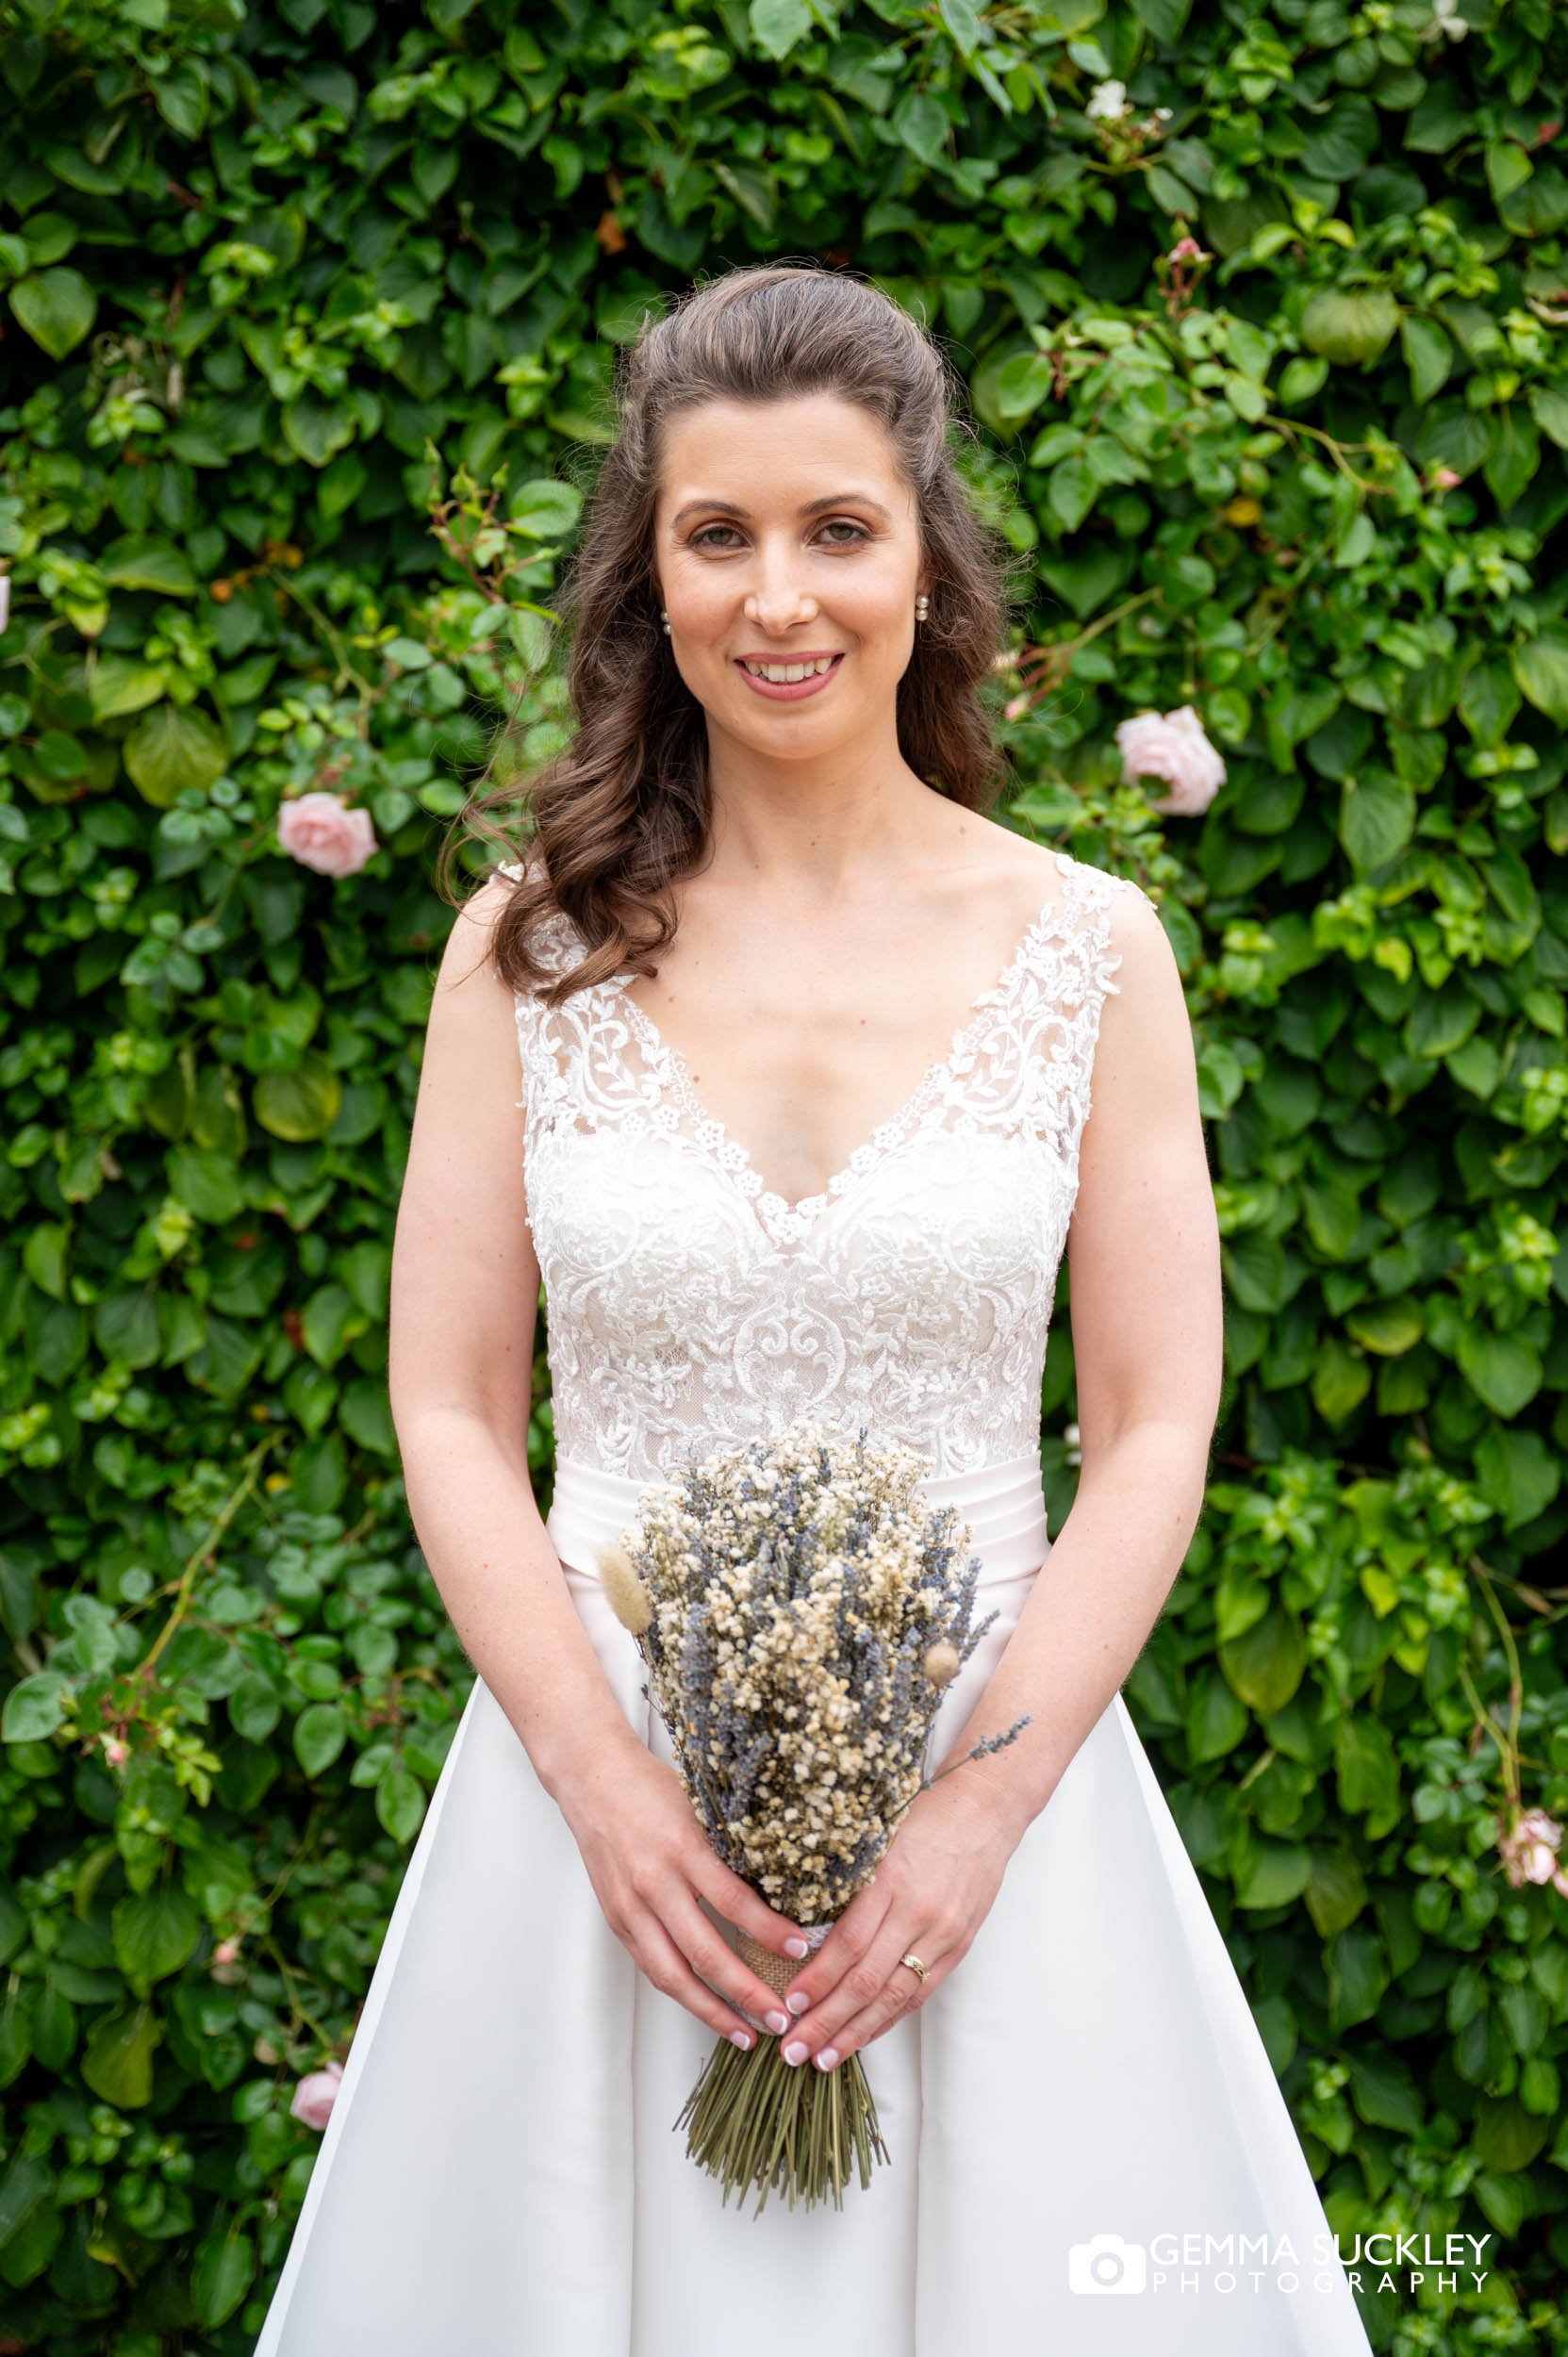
34, 1707
1349, 325
223, 2272
135, 562
118, 2061
321, 1731
1502, 1369
1539, 665
155, 1934
172, 749
921, 124
778, 25
57, 307
963, 22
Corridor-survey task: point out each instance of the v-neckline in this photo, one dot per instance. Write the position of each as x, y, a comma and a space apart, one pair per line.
773, 1209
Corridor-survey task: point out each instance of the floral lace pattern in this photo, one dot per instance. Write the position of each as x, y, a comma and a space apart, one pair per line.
687, 1302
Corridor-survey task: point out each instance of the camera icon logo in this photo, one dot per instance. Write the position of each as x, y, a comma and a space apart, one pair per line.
1106, 2264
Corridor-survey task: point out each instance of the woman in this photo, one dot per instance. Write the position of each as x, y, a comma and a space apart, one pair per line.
806, 1048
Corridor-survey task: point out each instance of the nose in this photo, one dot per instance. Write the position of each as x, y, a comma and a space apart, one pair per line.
777, 595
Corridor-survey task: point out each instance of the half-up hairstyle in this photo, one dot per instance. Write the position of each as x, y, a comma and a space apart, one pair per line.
622, 813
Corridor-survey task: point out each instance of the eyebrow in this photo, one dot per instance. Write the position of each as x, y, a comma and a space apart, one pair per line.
811, 507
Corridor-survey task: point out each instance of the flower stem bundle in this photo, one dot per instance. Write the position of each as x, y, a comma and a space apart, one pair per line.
800, 1611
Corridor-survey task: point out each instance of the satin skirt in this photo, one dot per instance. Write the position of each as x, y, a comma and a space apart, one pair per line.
1090, 2155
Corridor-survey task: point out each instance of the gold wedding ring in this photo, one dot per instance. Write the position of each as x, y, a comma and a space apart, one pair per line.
915, 1964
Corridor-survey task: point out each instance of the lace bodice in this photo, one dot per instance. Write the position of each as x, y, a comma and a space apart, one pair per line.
688, 1303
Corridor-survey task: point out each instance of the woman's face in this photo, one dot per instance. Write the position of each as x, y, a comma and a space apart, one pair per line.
786, 536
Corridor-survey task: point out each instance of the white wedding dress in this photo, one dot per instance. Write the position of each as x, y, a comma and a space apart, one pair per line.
1090, 2155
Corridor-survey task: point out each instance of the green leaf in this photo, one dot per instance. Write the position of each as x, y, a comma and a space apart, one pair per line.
1349, 325
963, 22
1505, 2135
1216, 1718
1336, 1890
1166, 19
1515, 453
316, 430
1517, 1473
175, 750
399, 1799
119, 685
544, 509
1539, 666
34, 1706
135, 562
1272, 1873
778, 25
1264, 1665
1501, 1369
220, 2275
1358, 1977
1366, 1766
57, 307
118, 2061
155, 1934
300, 1105
921, 124
321, 1731
1549, 407
1428, 354
1388, 1328
1072, 490
1377, 820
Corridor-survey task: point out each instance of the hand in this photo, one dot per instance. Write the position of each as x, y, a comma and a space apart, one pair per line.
647, 1860
932, 1891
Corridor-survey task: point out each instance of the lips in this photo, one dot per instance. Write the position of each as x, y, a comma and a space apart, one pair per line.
791, 691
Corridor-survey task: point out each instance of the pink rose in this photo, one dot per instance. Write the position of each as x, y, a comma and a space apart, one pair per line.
1172, 745
116, 1751
316, 2094
1444, 479
324, 834
1528, 1849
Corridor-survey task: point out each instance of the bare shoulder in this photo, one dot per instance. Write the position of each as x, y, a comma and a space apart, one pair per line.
468, 945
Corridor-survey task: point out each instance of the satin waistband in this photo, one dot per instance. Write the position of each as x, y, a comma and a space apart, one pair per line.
1003, 1505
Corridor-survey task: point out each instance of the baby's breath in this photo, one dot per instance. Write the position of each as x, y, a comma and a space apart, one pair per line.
802, 1612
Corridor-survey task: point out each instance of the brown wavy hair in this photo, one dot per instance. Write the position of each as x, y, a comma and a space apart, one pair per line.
622, 813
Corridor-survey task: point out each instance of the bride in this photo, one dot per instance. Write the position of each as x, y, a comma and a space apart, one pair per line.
807, 1043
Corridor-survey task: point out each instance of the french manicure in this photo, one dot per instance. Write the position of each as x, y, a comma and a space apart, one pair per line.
826, 2058
742, 2040
797, 2050
796, 1947
796, 2003
777, 2021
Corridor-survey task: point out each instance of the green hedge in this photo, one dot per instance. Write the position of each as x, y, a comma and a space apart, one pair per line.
309, 314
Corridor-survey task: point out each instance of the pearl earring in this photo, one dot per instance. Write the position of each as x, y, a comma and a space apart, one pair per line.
665, 621
922, 607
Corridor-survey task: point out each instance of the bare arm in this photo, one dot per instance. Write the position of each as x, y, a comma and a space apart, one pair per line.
465, 1293
463, 1310
1148, 1326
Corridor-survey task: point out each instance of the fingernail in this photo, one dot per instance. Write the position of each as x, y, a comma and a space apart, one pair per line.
741, 2040
796, 2003
797, 2050
796, 1947
826, 2058
777, 2021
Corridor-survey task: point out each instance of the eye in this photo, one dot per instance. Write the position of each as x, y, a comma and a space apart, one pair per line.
702, 537
843, 523
699, 537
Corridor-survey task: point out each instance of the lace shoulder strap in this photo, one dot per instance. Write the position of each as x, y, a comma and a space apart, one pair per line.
544, 1078
1062, 989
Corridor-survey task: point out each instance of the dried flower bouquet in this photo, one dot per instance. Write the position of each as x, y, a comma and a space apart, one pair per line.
800, 1611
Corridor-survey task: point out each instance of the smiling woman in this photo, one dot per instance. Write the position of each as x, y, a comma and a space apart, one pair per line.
808, 1050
